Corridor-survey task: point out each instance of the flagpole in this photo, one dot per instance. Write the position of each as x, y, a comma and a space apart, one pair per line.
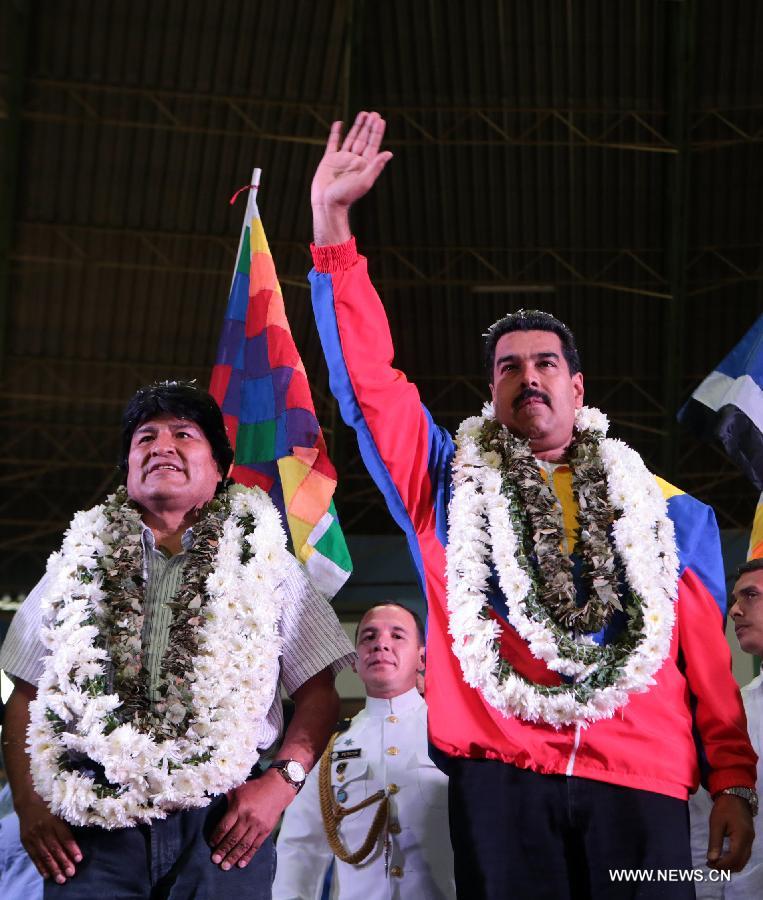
251, 204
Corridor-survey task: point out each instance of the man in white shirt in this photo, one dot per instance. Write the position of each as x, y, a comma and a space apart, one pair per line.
747, 614
148, 664
397, 844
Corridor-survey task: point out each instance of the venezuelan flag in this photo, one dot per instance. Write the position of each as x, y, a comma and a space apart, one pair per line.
755, 550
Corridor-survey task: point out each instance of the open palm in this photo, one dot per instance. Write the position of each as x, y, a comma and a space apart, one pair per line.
349, 168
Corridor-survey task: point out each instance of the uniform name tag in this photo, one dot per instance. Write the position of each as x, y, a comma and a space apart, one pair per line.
345, 754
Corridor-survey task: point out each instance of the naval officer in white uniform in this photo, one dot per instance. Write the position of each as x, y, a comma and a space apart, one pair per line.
397, 845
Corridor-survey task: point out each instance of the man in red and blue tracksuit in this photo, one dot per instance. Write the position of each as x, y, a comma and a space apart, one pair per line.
535, 810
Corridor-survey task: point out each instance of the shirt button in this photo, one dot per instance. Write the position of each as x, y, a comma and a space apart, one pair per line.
392, 719
394, 828
396, 872
391, 751
392, 788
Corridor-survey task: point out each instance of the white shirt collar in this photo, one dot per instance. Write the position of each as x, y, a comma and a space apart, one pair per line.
380, 706
549, 467
755, 685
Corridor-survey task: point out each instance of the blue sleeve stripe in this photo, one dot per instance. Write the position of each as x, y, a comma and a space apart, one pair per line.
341, 388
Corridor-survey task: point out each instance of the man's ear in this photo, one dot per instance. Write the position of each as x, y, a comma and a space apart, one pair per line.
422, 658
577, 389
353, 662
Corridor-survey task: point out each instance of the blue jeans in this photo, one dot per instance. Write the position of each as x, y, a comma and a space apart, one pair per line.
19, 879
168, 860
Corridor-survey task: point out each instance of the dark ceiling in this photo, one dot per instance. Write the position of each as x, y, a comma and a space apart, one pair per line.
601, 158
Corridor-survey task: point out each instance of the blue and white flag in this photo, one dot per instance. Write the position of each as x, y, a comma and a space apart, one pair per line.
728, 406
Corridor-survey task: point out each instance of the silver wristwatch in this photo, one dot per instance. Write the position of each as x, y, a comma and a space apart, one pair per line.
292, 772
747, 794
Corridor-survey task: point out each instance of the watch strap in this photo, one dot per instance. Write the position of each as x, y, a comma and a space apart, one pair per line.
282, 765
748, 794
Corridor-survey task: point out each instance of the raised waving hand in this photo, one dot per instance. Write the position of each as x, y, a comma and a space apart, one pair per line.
348, 170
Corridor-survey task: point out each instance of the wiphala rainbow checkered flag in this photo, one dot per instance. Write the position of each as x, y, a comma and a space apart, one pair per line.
260, 383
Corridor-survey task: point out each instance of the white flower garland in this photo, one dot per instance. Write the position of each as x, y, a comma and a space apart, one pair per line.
480, 529
236, 674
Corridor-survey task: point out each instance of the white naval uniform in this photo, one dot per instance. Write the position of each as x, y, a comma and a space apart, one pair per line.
747, 884
392, 738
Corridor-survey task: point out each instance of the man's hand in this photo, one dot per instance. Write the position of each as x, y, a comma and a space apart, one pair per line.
730, 817
46, 838
346, 173
253, 811
48, 841
255, 806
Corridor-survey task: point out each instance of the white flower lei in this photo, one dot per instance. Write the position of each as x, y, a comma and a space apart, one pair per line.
236, 672
480, 529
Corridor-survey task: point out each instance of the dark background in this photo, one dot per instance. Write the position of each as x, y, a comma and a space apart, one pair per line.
598, 158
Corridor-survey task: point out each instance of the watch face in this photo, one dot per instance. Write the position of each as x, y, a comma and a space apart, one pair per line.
295, 770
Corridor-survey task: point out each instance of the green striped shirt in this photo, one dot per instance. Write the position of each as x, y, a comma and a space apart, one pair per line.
312, 638
164, 575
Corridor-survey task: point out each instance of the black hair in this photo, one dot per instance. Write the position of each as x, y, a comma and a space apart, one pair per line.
414, 615
752, 565
186, 401
531, 320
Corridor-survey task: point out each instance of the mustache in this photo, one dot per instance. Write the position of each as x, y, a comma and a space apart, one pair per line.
529, 393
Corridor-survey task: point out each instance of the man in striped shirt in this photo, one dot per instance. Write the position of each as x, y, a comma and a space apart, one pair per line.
176, 457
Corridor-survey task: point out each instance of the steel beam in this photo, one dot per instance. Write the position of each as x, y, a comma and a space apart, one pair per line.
626, 270
286, 121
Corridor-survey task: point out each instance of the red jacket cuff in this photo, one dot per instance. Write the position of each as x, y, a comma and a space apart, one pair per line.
738, 776
334, 257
